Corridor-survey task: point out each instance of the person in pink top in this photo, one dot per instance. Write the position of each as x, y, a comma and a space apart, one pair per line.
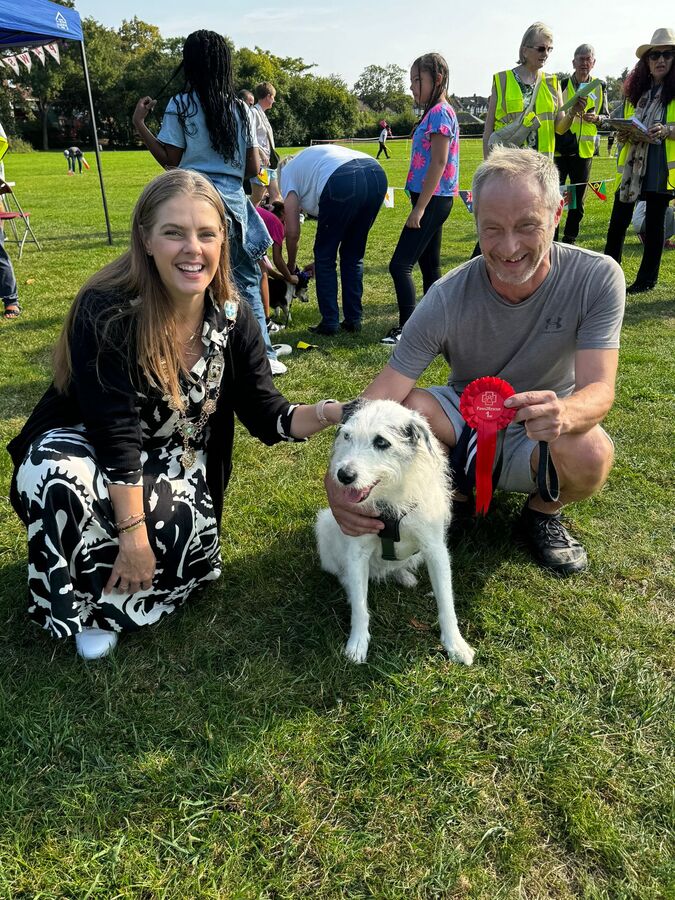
273, 215
431, 184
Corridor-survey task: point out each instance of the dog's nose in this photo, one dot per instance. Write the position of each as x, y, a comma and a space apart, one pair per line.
346, 476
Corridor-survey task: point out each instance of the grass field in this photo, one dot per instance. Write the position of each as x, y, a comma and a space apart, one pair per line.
232, 752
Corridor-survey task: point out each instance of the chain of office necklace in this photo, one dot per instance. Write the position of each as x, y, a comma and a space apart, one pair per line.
192, 431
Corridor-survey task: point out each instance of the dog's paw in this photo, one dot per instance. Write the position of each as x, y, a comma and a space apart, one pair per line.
357, 647
459, 651
405, 578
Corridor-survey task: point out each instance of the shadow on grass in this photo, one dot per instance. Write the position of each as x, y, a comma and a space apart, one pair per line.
262, 644
648, 309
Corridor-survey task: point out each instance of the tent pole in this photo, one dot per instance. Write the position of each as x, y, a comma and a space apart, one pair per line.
96, 150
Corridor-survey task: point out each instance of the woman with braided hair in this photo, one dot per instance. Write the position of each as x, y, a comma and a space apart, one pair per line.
431, 184
207, 128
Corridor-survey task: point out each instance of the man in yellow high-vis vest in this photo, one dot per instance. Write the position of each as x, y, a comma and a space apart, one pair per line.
574, 150
8, 289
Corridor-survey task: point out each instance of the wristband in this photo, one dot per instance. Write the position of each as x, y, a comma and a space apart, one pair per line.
320, 414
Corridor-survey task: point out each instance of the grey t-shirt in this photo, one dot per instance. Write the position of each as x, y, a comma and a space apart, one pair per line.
531, 344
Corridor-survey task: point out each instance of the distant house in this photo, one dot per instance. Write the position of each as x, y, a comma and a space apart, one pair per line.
475, 106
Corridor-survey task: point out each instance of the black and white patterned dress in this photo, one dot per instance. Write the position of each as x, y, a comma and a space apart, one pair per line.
61, 492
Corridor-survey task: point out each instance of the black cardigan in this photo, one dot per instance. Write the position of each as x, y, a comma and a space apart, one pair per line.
104, 397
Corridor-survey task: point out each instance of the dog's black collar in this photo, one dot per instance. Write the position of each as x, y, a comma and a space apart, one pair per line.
390, 535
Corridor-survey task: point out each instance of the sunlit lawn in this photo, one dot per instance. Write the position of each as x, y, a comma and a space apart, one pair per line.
233, 752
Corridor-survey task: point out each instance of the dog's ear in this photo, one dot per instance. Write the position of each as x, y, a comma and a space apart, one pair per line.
415, 431
350, 408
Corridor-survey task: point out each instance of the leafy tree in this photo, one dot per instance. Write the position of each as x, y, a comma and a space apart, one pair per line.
614, 88
382, 88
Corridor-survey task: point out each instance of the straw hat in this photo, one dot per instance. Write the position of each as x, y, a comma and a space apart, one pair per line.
663, 37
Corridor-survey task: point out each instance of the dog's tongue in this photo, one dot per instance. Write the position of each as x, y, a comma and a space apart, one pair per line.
356, 495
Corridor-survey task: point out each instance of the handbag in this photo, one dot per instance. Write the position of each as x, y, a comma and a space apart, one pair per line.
517, 133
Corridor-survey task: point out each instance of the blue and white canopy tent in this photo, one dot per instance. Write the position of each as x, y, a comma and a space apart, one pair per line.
31, 23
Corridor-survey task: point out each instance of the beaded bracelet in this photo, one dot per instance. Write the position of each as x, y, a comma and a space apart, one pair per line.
133, 526
320, 414
128, 519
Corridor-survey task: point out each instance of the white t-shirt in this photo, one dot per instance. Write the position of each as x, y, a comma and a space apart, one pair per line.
307, 174
263, 129
383, 136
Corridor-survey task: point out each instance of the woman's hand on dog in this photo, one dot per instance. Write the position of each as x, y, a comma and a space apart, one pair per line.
349, 516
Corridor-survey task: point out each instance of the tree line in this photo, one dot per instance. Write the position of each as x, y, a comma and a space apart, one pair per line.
48, 107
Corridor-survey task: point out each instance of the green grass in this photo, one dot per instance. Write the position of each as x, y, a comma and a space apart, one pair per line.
232, 752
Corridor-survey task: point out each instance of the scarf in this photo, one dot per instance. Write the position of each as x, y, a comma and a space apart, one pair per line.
649, 111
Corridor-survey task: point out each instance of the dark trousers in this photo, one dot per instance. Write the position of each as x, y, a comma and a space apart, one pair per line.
383, 147
578, 171
419, 245
654, 234
348, 206
8, 290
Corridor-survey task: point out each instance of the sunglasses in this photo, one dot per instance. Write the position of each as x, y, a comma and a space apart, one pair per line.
657, 54
541, 49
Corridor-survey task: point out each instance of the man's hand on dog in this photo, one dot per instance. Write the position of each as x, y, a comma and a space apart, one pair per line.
542, 413
348, 515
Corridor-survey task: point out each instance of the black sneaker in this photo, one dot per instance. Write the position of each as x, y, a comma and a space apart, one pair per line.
393, 336
551, 544
351, 327
641, 287
325, 330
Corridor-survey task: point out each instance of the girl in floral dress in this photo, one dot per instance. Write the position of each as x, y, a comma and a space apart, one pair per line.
431, 184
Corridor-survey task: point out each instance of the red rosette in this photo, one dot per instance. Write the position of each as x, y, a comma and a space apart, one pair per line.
482, 407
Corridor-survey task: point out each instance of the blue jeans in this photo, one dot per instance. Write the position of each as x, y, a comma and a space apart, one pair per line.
248, 242
422, 245
348, 206
8, 289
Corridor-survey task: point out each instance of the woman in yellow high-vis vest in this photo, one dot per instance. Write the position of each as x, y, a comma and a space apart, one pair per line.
512, 92
646, 164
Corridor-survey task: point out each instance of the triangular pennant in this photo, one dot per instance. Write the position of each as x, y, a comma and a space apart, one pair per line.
467, 197
53, 50
39, 52
25, 59
599, 188
12, 63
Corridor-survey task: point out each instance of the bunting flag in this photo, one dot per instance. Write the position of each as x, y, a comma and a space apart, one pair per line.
569, 195
599, 188
53, 50
39, 52
12, 63
467, 197
25, 59
389, 198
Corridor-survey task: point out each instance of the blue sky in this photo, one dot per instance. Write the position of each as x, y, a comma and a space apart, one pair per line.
477, 38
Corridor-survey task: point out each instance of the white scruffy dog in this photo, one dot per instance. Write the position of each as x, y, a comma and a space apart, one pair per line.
388, 459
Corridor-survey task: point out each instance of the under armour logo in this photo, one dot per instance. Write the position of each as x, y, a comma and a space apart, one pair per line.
553, 324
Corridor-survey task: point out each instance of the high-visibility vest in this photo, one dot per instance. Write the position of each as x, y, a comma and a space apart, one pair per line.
628, 111
510, 105
4, 143
584, 131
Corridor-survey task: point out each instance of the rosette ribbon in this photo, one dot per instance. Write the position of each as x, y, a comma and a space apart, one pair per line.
482, 407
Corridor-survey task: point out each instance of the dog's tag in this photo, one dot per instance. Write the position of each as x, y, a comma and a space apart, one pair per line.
482, 407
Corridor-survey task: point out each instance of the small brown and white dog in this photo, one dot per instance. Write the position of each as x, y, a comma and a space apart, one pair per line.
388, 460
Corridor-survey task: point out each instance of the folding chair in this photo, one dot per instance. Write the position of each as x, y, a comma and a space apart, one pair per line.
12, 211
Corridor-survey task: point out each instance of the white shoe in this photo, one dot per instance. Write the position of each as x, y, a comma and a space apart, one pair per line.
282, 349
93, 643
278, 368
